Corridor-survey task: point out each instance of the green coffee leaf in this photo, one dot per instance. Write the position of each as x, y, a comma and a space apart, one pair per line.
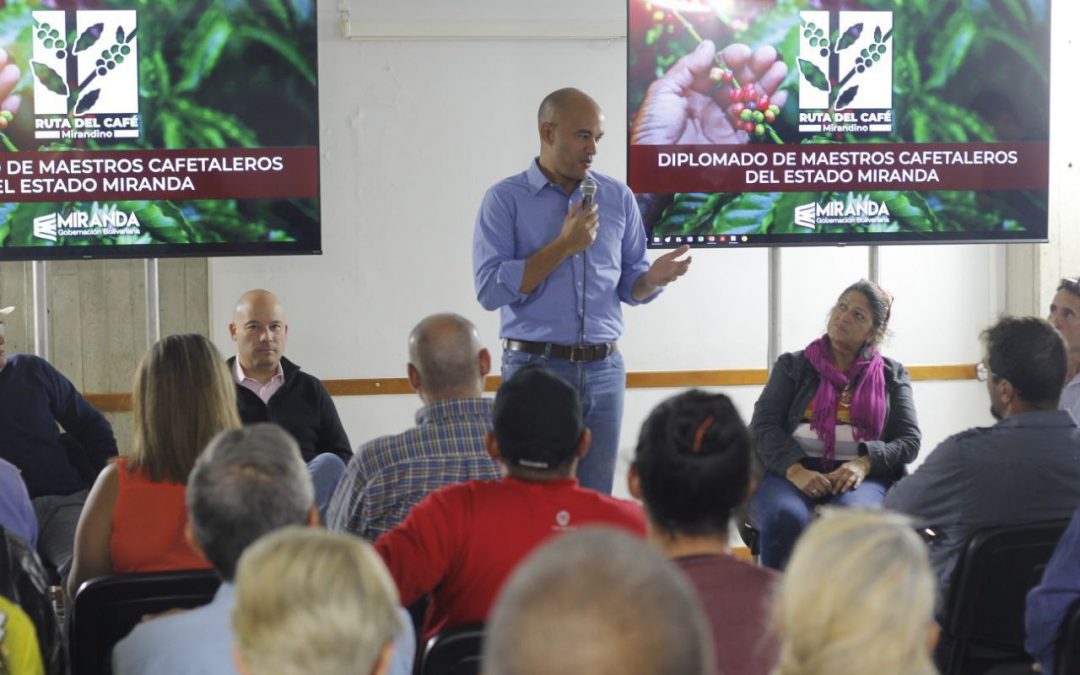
814, 75
280, 12
89, 37
877, 34
846, 97
87, 102
283, 47
949, 53
201, 52
749, 213
166, 223
851, 36
49, 78
119, 35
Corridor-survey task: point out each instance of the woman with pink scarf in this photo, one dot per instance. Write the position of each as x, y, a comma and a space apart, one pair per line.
835, 424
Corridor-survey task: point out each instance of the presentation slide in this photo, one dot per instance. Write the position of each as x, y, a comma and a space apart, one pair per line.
783, 122
164, 128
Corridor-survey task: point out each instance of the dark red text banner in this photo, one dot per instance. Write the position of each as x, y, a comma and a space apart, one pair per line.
665, 169
233, 173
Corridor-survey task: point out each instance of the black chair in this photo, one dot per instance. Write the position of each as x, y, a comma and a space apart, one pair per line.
751, 536
984, 615
1067, 656
107, 608
454, 652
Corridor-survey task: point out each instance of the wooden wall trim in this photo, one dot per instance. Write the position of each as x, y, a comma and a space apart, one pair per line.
667, 379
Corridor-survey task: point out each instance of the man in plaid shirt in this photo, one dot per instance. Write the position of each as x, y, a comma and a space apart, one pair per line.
389, 475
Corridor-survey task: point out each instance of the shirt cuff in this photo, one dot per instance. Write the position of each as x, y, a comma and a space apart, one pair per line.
627, 294
509, 278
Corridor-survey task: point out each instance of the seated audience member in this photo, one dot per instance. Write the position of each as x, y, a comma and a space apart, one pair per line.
19, 652
24, 583
1048, 603
857, 598
135, 516
311, 601
599, 602
462, 541
1024, 469
16, 511
390, 475
691, 469
37, 398
247, 483
271, 388
834, 425
1065, 315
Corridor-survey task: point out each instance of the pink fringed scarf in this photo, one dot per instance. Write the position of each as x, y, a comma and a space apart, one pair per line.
867, 400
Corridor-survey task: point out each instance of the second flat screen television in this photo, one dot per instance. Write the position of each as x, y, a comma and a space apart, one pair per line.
761, 123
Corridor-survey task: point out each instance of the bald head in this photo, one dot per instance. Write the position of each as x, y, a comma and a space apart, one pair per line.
260, 332
446, 359
610, 603
255, 300
562, 101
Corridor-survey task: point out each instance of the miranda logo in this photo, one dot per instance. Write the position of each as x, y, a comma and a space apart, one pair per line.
853, 210
82, 225
86, 74
845, 71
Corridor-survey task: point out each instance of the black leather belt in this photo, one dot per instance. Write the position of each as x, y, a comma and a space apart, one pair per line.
582, 354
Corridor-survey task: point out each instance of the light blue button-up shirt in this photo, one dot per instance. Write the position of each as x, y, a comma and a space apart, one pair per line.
580, 301
200, 641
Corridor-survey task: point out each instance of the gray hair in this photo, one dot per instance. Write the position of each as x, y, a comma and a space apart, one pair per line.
246, 483
609, 602
445, 349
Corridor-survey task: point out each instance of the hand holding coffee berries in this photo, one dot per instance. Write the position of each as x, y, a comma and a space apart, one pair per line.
9, 77
701, 99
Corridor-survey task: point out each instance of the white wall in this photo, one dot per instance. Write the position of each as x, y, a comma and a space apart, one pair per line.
413, 132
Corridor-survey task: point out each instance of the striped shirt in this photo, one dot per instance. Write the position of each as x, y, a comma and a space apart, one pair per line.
389, 475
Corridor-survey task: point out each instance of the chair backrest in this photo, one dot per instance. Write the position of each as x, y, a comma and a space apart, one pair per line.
994, 573
454, 652
107, 608
1067, 658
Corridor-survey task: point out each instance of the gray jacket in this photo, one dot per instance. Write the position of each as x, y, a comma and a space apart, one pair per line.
792, 385
1024, 469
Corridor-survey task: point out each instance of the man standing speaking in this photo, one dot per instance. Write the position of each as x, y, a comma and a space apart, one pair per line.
558, 264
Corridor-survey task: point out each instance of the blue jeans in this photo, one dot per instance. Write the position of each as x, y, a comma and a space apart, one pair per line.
601, 386
326, 472
780, 512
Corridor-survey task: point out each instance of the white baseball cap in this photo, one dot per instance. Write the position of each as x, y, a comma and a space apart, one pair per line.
6, 310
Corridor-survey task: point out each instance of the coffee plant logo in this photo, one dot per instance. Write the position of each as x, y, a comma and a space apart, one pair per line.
86, 74
845, 71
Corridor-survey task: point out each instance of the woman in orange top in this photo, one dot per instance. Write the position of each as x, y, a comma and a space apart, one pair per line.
135, 516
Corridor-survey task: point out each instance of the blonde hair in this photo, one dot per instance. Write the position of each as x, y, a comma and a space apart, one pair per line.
182, 397
312, 601
857, 597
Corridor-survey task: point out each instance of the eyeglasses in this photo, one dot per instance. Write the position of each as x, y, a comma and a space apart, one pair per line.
982, 372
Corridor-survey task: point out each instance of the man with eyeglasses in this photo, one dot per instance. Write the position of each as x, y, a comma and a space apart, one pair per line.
1065, 315
1024, 469
36, 398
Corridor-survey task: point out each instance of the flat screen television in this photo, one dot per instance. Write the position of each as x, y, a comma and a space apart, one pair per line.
156, 129
784, 122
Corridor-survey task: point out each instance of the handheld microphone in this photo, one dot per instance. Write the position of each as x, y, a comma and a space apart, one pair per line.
588, 192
